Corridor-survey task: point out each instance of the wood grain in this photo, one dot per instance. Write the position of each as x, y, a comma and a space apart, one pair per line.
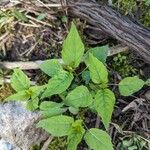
110, 21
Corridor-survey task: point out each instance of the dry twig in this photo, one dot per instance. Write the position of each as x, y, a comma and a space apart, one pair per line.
35, 64
46, 144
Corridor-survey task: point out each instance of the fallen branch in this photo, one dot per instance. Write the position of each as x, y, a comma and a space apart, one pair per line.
111, 22
7, 80
46, 144
35, 64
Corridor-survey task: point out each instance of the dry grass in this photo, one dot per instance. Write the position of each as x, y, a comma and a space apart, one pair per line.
5, 91
39, 37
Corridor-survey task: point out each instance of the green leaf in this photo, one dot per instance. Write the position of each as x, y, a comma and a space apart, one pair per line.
98, 71
147, 82
32, 104
79, 97
76, 134
49, 104
64, 19
3, 20
53, 112
147, 2
98, 139
57, 125
74, 140
20, 96
50, 109
51, 67
100, 53
74, 110
41, 16
37, 91
20, 16
104, 103
130, 85
58, 84
73, 48
19, 81
86, 76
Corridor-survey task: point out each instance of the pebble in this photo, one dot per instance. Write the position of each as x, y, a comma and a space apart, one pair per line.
5, 145
147, 95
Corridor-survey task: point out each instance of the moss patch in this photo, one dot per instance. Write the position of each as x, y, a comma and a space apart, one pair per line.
146, 18
58, 144
127, 6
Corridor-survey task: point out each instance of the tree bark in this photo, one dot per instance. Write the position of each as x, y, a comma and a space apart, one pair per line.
132, 34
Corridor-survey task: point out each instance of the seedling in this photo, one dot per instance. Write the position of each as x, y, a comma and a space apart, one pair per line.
94, 94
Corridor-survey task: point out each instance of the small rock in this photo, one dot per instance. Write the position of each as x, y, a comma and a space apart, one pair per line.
18, 126
147, 95
7, 146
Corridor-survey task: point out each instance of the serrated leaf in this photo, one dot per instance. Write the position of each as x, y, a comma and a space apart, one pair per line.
53, 112
73, 48
104, 103
57, 125
79, 97
98, 72
50, 109
20, 16
51, 67
19, 81
20, 96
58, 84
49, 104
100, 53
75, 136
130, 85
41, 16
32, 104
74, 140
98, 139
37, 91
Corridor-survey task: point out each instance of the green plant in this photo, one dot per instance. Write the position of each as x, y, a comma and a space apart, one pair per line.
7, 17
147, 2
127, 6
72, 96
133, 142
145, 18
5, 14
122, 65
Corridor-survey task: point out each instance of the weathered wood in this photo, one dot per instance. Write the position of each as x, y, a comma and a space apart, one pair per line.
101, 16
107, 21
35, 64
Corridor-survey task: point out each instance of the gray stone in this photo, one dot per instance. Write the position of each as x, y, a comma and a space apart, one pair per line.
147, 95
18, 126
7, 146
